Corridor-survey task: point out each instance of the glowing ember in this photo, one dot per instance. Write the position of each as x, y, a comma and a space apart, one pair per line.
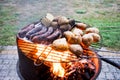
58, 70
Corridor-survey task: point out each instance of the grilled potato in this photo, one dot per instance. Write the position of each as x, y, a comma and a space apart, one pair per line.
81, 26
62, 20
60, 44
96, 37
72, 38
77, 31
92, 30
65, 27
87, 39
54, 24
76, 49
47, 20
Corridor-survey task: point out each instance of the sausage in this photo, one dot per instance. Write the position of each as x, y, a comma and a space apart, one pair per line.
23, 32
42, 37
54, 35
38, 25
50, 31
34, 30
42, 31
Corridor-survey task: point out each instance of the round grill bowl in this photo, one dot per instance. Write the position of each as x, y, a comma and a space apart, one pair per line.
28, 71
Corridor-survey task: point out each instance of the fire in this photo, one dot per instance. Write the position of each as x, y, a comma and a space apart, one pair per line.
59, 63
56, 58
58, 70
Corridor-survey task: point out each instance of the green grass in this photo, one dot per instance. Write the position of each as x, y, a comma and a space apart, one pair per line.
78, 11
7, 26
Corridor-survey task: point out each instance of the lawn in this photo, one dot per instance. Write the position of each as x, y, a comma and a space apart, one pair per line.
104, 14
7, 26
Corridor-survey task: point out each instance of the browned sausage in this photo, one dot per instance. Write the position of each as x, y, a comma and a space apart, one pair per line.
54, 35
23, 32
34, 30
42, 37
42, 31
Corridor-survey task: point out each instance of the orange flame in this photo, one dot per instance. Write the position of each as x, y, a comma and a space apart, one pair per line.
58, 70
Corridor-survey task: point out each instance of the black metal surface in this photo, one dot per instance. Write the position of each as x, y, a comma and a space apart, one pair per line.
18, 71
29, 71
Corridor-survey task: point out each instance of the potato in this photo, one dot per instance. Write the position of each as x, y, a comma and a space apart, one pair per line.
60, 44
92, 30
49, 17
65, 27
72, 38
62, 20
87, 39
79, 39
68, 35
77, 31
75, 40
54, 24
96, 37
47, 20
76, 49
81, 26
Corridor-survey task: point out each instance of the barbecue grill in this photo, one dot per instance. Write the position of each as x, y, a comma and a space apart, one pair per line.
35, 60
30, 67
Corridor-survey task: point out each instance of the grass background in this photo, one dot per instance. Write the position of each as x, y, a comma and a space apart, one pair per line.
104, 14
7, 26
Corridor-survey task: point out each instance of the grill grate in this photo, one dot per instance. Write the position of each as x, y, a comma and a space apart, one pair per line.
38, 52
41, 53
